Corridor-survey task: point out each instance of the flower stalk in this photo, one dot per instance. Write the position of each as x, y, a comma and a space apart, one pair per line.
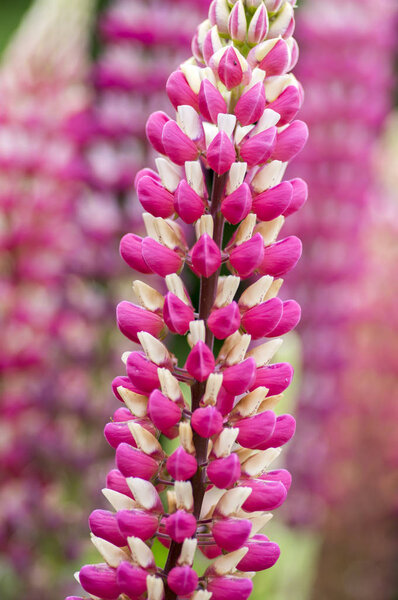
221, 161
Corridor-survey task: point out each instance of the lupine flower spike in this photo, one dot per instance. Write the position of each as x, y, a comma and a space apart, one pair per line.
222, 160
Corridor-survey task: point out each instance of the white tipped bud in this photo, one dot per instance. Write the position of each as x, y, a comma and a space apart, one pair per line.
147, 296
204, 225
264, 353
211, 131
268, 119
270, 403
192, 75
249, 404
184, 495
237, 350
155, 351
167, 232
119, 501
125, 357
242, 132
213, 386
194, 175
233, 500
223, 444
259, 522
280, 25
274, 86
223, 565
171, 501
110, 553
141, 554
273, 290
226, 123
245, 229
257, 464
186, 437
169, 385
175, 286
155, 588
144, 492
170, 174
269, 176
237, 23
136, 403
189, 121
198, 331
227, 288
146, 442
210, 501
256, 293
236, 176
150, 226
188, 552
269, 230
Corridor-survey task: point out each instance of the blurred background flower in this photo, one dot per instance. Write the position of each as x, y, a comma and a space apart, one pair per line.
77, 81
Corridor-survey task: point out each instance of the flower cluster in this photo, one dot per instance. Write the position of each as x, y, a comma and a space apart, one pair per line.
338, 164
221, 161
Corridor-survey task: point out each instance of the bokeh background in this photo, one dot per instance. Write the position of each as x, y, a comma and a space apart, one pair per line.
77, 81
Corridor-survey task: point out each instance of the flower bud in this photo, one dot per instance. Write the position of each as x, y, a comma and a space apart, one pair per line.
100, 580
117, 433
251, 105
117, 482
273, 202
272, 56
290, 141
287, 104
230, 68
154, 130
219, 15
206, 256
258, 26
179, 91
104, 525
262, 554
290, 318
161, 260
281, 475
254, 431
131, 252
178, 146
223, 322
285, 427
257, 149
260, 320
276, 378
265, 495
221, 153
246, 257
299, 198
211, 102
142, 372
283, 24
163, 412
231, 534
230, 588
181, 465
200, 362
183, 580
188, 204
237, 205
180, 526
132, 319
207, 421
224, 472
237, 23
137, 523
154, 198
131, 579
239, 378
281, 257
131, 462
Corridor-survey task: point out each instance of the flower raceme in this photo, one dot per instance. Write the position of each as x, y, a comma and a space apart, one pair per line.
222, 160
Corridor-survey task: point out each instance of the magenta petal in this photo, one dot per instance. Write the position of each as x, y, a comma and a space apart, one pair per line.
188, 204
230, 588
231, 534
256, 150
251, 105
254, 431
221, 153
247, 257
265, 495
164, 412
131, 252
160, 260
132, 319
180, 525
260, 320
285, 427
287, 105
200, 362
137, 523
176, 314
281, 257
276, 378
131, 579
142, 372
179, 148
262, 554
290, 141
281, 475
224, 321
299, 197
104, 525
154, 130
117, 433
237, 205
131, 462
117, 482
273, 202
181, 465
179, 92
207, 421
224, 472
225, 401
100, 580
206, 256
211, 102
240, 377
290, 318
182, 581
229, 69
277, 61
154, 198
